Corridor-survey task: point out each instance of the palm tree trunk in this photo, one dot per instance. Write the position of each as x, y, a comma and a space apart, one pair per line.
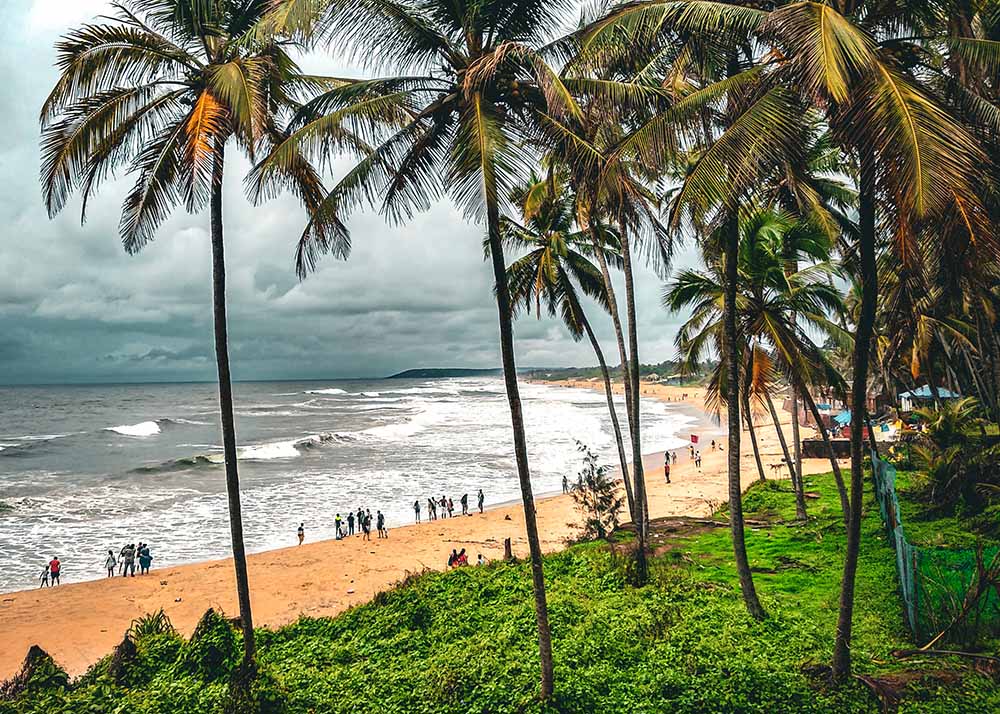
619, 334
859, 405
845, 505
732, 358
800, 497
796, 435
642, 506
622, 458
520, 448
748, 417
226, 409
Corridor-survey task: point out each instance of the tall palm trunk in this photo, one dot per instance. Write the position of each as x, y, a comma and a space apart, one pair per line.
642, 506
797, 439
520, 448
845, 506
859, 404
616, 321
622, 458
226, 408
748, 418
732, 358
800, 496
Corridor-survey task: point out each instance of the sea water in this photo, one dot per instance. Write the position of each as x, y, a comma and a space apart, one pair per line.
85, 469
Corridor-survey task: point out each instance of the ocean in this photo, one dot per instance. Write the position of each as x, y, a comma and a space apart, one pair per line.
85, 469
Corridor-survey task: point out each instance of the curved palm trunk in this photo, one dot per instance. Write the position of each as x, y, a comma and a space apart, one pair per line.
845, 505
619, 336
642, 506
226, 409
859, 403
622, 458
748, 418
520, 448
732, 358
800, 497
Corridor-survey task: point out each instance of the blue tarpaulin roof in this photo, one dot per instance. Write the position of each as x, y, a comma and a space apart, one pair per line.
925, 393
844, 418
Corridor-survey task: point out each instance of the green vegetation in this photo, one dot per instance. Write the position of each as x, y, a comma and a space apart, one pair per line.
461, 641
948, 528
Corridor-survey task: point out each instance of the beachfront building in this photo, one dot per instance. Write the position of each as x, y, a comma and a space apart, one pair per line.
908, 401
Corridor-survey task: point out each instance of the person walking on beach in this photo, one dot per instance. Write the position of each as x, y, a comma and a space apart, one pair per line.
565, 484
302, 532
350, 523
416, 510
432, 509
43, 579
366, 528
110, 563
666, 469
361, 519
145, 559
482, 499
713, 444
338, 527
380, 524
465, 504
54, 567
121, 559
451, 508
673, 458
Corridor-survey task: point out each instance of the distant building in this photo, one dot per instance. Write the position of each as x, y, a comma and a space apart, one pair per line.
908, 401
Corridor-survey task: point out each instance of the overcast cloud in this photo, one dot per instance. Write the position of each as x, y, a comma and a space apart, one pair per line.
75, 308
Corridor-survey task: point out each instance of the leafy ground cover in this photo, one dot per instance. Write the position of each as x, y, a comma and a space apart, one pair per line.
464, 641
947, 527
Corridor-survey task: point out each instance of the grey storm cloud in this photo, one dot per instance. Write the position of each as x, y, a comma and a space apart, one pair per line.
75, 307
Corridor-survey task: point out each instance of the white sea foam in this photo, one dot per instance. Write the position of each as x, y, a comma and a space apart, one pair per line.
326, 391
267, 452
370, 394
146, 428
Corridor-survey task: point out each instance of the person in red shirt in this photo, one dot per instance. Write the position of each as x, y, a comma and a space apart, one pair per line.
54, 566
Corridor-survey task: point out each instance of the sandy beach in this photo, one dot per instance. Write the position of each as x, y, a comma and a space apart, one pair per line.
78, 623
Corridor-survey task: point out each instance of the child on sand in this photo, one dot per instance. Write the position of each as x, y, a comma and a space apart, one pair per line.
110, 563
43, 579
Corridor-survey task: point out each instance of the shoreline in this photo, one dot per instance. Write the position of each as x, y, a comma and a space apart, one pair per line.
78, 623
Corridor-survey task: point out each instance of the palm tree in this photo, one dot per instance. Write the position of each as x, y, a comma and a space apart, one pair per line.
471, 84
914, 160
556, 269
160, 89
769, 301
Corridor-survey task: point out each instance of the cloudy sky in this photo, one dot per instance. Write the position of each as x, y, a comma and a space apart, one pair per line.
75, 308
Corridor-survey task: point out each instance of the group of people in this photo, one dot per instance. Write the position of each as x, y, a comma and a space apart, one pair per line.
457, 559
356, 523
447, 506
126, 560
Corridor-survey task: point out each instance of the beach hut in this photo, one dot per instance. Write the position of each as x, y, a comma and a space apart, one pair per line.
908, 401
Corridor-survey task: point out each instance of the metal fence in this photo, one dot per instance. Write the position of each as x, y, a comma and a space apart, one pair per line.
937, 585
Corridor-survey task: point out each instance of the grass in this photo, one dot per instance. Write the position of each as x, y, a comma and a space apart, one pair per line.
465, 642
927, 526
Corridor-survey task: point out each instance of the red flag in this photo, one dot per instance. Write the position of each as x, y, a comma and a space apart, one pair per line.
694, 438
